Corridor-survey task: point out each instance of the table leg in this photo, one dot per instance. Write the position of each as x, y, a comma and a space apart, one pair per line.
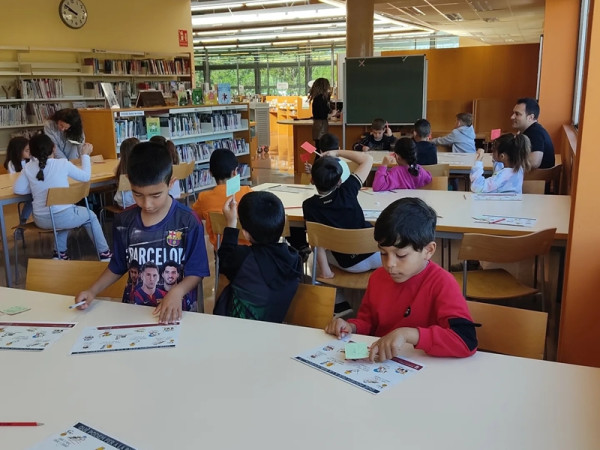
3, 232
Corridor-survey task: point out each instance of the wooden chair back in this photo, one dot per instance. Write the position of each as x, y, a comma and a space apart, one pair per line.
438, 170
69, 277
96, 158
341, 240
124, 184
505, 249
437, 184
552, 176
218, 223
312, 306
305, 178
510, 331
67, 195
534, 186
183, 170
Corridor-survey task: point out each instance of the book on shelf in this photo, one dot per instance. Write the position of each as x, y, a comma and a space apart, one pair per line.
210, 96
224, 91
109, 95
152, 126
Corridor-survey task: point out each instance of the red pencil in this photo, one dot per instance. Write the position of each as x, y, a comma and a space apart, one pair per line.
20, 424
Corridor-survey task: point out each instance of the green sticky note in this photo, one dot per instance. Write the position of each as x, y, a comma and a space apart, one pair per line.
232, 186
15, 310
356, 350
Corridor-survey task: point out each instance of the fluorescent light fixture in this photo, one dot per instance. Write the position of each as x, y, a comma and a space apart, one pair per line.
196, 6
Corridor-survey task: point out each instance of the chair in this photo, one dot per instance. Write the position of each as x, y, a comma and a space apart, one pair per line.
312, 306
58, 196
182, 172
510, 331
437, 184
551, 176
438, 170
218, 224
498, 284
96, 158
122, 187
69, 277
342, 241
534, 186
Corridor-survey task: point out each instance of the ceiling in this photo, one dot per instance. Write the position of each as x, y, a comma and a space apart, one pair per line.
221, 25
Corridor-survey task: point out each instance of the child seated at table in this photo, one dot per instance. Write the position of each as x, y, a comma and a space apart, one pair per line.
263, 277
462, 138
44, 172
410, 299
405, 174
426, 151
511, 161
223, 166
17, 155
380, 138
336, 205
156, 230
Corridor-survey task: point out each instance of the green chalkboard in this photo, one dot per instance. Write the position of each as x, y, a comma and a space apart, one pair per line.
391, 87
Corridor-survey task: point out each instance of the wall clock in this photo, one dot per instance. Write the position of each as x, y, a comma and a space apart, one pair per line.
73, 13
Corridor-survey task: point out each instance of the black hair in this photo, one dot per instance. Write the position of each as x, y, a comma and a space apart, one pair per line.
262, 215
134, 264
41, 147
516, 148
531, 106
14, 152
408, 221
422, 128
149, 163
148, 265
406, 149
124, 152
329, 142
72, 117
222, 162
170, 263
326, 173
158, 139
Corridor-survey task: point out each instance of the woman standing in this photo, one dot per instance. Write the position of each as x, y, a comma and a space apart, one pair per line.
65, 130
319, 95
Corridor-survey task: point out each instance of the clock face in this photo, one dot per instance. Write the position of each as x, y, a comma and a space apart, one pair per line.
73, 13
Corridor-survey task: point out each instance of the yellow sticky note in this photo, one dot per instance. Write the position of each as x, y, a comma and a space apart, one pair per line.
356, 350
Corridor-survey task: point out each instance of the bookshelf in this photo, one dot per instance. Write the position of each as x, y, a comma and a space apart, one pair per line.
195, 130
35, 82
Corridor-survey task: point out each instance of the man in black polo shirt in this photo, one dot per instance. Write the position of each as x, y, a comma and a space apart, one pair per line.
525, 119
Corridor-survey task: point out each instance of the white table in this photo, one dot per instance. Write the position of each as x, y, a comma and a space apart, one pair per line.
231, 383
456, 209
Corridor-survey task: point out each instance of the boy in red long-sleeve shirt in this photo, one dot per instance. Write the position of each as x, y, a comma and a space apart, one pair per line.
411, 299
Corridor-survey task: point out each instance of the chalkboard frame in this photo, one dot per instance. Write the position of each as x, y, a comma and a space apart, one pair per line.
362, 80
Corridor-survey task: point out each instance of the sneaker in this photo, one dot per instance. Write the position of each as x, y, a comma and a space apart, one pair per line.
60, 255
304, 253
105, 256
19, 235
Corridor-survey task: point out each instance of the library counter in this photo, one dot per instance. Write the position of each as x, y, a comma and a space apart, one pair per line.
248, 392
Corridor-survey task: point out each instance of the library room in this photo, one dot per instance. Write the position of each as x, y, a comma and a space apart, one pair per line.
331, 208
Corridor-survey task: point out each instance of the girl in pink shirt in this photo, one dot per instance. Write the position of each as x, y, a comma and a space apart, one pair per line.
407, 174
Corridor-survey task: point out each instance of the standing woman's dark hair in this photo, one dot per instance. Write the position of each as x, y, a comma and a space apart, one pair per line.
71, 117
14, 152
41, 147
407, 150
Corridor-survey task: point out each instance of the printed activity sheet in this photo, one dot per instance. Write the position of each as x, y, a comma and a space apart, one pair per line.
34, 336
116, 338
81, 437
372, 377
371, 213
506, 220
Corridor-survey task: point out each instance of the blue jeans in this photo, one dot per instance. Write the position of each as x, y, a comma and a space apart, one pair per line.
73, 217
25, 212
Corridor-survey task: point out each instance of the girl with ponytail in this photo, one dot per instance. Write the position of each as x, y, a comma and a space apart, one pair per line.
65, 129
43, 172
511, 161
406, 174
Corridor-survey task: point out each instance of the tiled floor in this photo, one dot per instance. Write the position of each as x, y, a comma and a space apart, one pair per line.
80, 247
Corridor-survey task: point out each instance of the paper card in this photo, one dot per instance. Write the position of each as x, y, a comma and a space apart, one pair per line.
495, 134
305, 157
31, 336
15, 310
82, 437
308, 147
356, 350
232, 186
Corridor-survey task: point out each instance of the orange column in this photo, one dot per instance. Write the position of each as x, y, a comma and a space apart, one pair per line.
579, 334
359, 27
561, 25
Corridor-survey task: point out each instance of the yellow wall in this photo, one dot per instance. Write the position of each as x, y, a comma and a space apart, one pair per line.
579, 334
133, 25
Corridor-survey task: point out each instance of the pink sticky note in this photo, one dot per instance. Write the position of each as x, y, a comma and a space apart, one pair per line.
495, 134
308, 147
305, 157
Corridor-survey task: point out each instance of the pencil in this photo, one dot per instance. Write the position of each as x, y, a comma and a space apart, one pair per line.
20, 424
